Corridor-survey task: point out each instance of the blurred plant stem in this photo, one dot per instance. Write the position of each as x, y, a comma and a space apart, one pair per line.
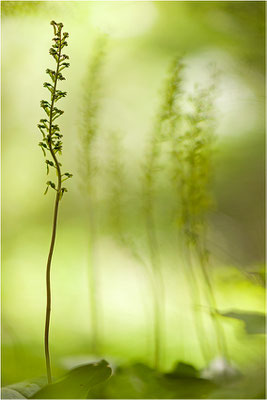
194, 290
95, 300
166, 117
157, 288
192, 153
118, 221
89, 131
203, 258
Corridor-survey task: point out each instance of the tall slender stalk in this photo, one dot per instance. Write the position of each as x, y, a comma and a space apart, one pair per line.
196, 297
177, 155
89, 129
165, 119
171, 118
203, 258
52, 143
118, 219
192, 151
157, 288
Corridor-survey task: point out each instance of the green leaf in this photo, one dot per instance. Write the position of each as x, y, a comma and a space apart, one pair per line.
56, 113
42, 147
61, 77
254, 322
54, 128
50, 183
67, 175
50, 163
59, 94
182, 370
53, 53
141, 382
249, 386
48, 86
27, 389
7, 393
77, 383
64, 65
64, 57
53, 23
63, 190
50, 72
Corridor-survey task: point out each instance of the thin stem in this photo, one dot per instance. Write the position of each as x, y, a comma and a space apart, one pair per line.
167, 114
153, 247
48, 290
221, 340
94, 297
89, 131
195, 294
157, 287
54, 229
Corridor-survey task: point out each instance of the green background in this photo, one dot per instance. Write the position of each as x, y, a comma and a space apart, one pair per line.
143, 37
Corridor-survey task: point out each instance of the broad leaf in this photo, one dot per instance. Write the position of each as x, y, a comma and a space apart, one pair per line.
7, 393
77, 383
141, 382
254, 322
250, 386
182, 370
24, 389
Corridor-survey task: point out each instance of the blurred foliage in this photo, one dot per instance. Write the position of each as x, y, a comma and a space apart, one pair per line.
139, 381
254, 322
142, 382
143, 37
75, 385
19, 8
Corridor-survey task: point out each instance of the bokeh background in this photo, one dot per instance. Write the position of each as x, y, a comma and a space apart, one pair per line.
142, 39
